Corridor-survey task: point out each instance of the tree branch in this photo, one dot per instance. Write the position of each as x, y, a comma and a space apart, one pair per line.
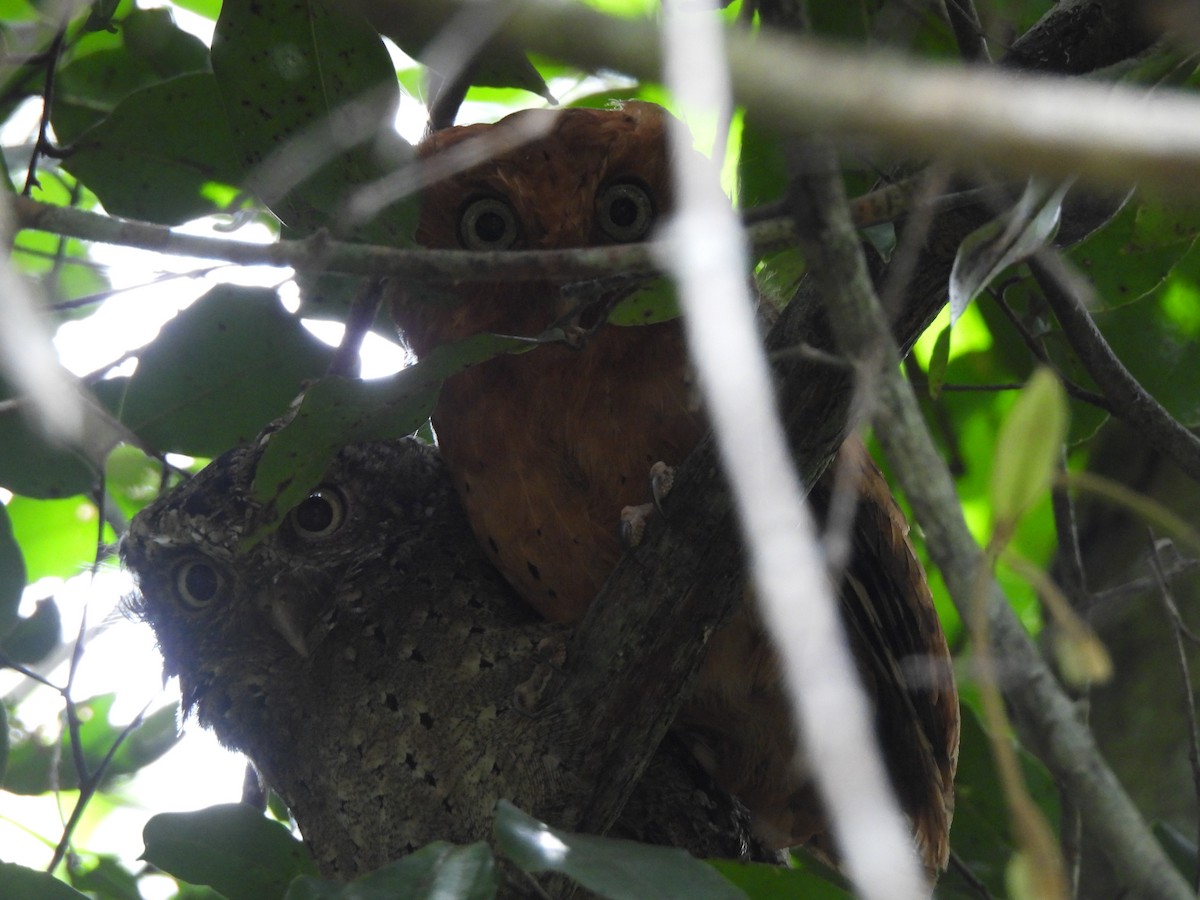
1064, 743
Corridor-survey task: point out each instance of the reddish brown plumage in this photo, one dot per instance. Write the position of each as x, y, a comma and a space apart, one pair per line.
546, 448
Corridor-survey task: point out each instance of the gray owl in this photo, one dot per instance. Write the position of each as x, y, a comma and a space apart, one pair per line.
375, 667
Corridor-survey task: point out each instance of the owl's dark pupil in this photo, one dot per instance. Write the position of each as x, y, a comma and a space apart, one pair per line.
201, 583
314, 515
623, 212
490, 227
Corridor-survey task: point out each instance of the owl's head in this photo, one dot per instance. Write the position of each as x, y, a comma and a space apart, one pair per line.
564, 178
535, 180
232, 616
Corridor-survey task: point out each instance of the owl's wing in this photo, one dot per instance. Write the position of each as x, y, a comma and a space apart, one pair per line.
902, 657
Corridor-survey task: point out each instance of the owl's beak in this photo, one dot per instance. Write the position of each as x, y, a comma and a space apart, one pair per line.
282, 615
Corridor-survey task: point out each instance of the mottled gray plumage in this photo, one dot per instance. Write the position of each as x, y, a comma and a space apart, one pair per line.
375, 667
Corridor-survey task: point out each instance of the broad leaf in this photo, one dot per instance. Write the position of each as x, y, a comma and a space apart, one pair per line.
153, 49
217, 373
338, 411
415, 29
37, 765
310, 91
232, 848
766, 882
439, 870
162, 154
1028, 448
30, 640
616, 869
21, 883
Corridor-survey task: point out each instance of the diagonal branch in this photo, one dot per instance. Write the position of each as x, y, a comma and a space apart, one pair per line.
1068, 294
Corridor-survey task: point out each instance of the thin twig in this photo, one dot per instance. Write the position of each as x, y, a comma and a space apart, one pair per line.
88, 788
1074, 578
1175, 620
1039, 352
1070, 295
43, 147
968, 30
361, 317
959, 865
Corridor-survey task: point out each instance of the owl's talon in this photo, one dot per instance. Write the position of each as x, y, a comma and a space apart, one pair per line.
633, 524
530, 695
662, 479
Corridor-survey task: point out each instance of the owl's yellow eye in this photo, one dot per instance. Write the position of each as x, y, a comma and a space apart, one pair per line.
197, 582
487, 224
320, 514
625, 211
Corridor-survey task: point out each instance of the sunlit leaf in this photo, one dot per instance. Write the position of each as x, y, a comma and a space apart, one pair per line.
12, 574
656, 302
309, 88
938, 360
217, 373
438, 870
37, 765
1136, 252
105, 877
1028, 448
231, 847
148, 160
616, 869
57, 537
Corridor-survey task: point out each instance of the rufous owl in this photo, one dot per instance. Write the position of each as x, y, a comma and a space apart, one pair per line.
547, 447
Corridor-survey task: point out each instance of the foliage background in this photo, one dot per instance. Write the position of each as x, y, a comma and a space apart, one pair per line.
149, 116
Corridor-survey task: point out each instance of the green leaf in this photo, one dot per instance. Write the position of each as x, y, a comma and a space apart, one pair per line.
55, 535
656, 302
439, 870
21, 883
938, 361
338, 411
231, 848
982, 836
12, 573
301, 79
89, 87
986, 252
32, 466
414, 29
105, 877
37, 765
1028, 448
1133, 254
766, 882
149, 160
3, 741
217, 373
616, 869
33, 638
762, 168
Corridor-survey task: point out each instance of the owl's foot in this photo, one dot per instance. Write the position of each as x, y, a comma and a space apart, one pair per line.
530, 695
633, 518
